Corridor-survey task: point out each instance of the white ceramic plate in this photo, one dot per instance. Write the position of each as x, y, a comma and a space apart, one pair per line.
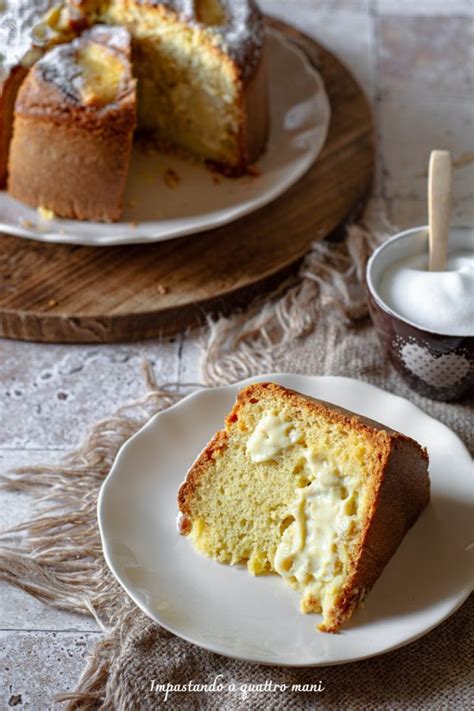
154, 211
226, 610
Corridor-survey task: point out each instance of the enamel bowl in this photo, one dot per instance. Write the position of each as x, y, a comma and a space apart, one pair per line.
436, 365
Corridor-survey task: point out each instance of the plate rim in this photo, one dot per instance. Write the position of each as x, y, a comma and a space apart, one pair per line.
221, 217
460, 598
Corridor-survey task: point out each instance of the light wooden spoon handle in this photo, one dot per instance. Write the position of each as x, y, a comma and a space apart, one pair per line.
439, 208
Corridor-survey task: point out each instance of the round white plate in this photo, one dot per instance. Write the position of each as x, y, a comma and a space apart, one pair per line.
156, 209
223, 608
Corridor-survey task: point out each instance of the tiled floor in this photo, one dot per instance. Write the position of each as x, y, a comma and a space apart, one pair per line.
415, 61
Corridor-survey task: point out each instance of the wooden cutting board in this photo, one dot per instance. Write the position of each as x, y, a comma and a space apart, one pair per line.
61, 293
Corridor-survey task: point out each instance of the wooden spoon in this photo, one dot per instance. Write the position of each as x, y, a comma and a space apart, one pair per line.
439, 208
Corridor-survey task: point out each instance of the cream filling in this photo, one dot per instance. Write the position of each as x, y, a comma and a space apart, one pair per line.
272, 434
311, 555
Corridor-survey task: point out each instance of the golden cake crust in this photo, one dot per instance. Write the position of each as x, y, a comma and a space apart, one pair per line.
67, 155
8, 92
24, 38
333, 412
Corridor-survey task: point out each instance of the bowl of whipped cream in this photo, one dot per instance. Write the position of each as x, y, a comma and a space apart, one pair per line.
424, 318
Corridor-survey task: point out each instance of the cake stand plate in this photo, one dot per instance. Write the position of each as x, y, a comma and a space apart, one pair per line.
78, 294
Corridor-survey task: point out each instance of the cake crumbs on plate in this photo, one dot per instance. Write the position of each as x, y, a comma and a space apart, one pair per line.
27, 224
45, 213
162, 289
254, 171
171, 178
52, 302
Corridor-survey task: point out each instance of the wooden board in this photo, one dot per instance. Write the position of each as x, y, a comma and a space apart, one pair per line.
62, 293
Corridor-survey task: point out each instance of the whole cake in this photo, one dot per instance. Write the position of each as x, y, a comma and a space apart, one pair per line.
310, 491
74, 119
199, 65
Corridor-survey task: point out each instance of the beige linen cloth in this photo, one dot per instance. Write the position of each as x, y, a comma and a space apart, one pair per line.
317, 325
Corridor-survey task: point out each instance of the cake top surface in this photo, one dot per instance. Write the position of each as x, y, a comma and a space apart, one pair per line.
235, 25
92, 70
238, 25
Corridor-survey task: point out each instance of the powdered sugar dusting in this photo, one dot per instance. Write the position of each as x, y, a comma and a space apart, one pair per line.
59, 66
241, 36
17, 21
115, 37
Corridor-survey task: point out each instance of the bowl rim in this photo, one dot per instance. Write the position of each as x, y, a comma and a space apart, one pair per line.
378, 299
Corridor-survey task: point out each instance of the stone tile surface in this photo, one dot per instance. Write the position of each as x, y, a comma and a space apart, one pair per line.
292, 9
52, 394
20, 611
425, 57
425, 7
332, 26
189, 373
410, 130
36, 666
407, 213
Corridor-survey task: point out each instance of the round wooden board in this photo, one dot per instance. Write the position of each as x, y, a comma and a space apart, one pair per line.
61, 293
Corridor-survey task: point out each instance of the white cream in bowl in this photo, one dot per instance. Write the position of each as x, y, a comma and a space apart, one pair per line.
439, 302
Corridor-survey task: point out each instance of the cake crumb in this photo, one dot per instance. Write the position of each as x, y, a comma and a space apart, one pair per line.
254, 171
162, 289
133, 224
52, 302
27, 224
45, 213
171, 178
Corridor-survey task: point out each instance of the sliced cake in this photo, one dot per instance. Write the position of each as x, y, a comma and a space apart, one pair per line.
200, 66
305, 489
202, 90
27, 30
74, 120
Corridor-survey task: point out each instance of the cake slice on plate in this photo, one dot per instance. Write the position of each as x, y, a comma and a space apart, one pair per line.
74, 120
315, 493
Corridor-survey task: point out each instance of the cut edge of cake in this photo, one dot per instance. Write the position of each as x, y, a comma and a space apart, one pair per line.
195, 93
